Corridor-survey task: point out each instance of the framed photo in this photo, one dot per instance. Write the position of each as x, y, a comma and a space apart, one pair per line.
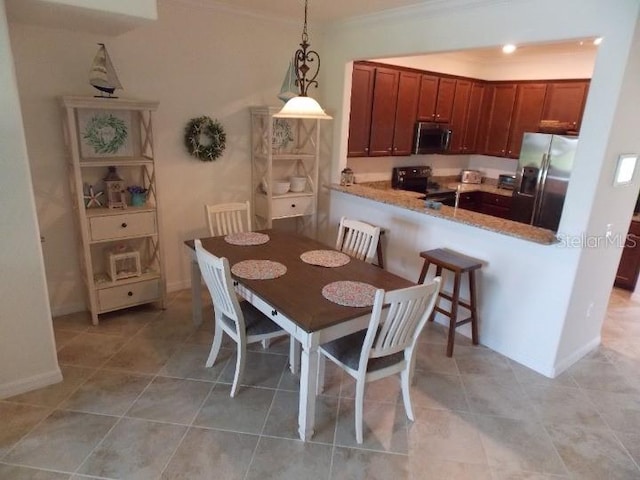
105, 133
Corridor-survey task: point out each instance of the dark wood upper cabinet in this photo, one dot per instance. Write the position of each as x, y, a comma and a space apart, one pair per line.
406, 109
436, 99
527, 114
362, 80
629, 267
459, 115
383, 112
501, 99
471, 129
565, 101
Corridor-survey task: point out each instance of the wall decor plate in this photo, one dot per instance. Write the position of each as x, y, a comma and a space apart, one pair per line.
105, 133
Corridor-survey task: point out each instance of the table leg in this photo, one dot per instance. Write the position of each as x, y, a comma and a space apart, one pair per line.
196, 293
308, 376
294, 355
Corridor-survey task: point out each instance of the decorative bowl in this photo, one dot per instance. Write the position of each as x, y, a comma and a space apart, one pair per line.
298, 184
280, 187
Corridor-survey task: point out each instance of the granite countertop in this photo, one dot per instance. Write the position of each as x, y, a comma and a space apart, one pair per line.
636, 217
382, 192
479, 187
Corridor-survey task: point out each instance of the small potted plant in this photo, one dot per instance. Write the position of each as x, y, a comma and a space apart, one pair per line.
138, 195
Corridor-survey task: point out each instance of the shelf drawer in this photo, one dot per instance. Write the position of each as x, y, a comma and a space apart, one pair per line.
126, 295
287, 207
121, 226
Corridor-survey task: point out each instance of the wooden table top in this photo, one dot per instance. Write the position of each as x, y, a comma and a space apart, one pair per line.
298, 293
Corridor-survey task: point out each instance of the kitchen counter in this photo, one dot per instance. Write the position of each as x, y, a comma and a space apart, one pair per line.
382, 192
479, 187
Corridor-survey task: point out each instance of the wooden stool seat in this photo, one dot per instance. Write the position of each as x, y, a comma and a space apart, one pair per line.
443, 258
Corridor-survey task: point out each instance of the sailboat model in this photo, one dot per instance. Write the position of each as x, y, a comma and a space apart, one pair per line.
289, 87
102, 74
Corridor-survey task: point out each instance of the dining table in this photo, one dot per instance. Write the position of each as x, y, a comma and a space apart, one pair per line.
295, 300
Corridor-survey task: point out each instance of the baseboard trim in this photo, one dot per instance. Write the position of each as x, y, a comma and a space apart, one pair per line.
66, 309
31, 383
566, 362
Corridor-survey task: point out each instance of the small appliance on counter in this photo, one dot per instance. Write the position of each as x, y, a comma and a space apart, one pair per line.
508, 182
470, 176
417, 179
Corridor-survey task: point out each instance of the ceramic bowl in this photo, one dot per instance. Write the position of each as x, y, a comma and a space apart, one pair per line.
298, 184
280, 187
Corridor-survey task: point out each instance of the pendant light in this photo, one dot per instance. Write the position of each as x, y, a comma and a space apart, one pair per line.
306, 62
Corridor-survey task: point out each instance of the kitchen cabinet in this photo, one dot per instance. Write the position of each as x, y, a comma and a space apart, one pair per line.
500, 103
629, 267
405, 118
383, 111
469, 201
459, 116
362, 80
436, 98
121, 258
564, 102
495, 205
281, 148
472, 123
527, 114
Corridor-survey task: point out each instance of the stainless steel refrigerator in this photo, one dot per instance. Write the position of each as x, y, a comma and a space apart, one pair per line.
543, 174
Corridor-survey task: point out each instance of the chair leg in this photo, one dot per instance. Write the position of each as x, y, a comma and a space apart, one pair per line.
360, 383
239, 368
405, 379
320, 379
215, 346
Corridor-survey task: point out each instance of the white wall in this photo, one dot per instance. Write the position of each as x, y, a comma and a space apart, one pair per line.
194, 61
27, 349
551, 291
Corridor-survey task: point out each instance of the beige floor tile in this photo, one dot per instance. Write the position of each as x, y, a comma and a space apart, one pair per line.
189, 361
426, 468
386, 390
261, 370
621, 411
63, 337
142, 356
171, 400
78, 322
432, 359
127, 322
526, 376
479, 360
497, 396
289, 460
17, 421
600, 376
354, 464
61, 441
90, 349
436, 390
168, 328
14, 472
631, 442
205, 453
511, 474
134, 449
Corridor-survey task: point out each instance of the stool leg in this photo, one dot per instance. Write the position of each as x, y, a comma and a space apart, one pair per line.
472, 303
423, 273
454, 314
379, 253
438, 274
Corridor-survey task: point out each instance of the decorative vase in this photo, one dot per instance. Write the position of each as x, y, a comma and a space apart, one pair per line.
138, 199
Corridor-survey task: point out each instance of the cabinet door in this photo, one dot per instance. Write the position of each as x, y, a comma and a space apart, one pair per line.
471, 128
526, 114
495, 205
565, 101
459, 115
470, 201
360, 118
385, 97
444, 104
408, 91
502, 98
629, 266
428, 98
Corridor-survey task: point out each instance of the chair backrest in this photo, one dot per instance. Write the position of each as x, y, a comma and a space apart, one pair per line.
227, 218
396, 327
357, 239
217, 277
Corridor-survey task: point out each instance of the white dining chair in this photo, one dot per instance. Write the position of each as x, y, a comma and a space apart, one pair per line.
243, 322
387, 346
358, 239
226, 218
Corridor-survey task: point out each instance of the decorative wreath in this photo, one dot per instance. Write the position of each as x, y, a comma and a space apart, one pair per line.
105, 133
212, 129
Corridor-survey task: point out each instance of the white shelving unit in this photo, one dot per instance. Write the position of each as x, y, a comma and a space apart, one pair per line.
281, 148
102, 230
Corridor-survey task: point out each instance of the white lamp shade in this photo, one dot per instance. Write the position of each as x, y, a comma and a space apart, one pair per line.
302, 107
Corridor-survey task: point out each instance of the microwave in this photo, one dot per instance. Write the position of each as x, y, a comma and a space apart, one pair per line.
431, 138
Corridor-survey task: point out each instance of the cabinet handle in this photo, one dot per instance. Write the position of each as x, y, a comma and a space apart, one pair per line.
366, 149
274, 313
235, 283
130, 293
123, 225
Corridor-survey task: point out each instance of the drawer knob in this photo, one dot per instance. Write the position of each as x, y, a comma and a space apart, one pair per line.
124, 225
274, 313
235, 283
293, 205
130, 293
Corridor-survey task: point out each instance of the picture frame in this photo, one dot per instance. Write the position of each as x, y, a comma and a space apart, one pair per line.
105, 133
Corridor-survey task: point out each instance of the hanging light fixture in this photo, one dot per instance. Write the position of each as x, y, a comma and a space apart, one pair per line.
307, 66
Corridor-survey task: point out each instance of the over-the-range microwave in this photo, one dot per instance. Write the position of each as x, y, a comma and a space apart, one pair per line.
431, 138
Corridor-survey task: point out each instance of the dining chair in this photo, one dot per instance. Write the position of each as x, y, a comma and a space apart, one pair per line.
243, 322
387, 346
358, 239
226, 218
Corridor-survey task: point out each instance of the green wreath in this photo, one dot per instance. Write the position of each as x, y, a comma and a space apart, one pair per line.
105, 133
212, 129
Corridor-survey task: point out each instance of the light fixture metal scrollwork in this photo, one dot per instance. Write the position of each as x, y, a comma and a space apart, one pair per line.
307, 68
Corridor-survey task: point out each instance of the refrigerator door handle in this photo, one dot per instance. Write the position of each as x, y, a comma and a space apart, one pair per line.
544, 170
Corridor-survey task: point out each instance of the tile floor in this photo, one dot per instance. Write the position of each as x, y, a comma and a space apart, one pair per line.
137, 403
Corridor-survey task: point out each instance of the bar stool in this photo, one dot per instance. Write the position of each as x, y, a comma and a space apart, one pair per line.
458, 264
